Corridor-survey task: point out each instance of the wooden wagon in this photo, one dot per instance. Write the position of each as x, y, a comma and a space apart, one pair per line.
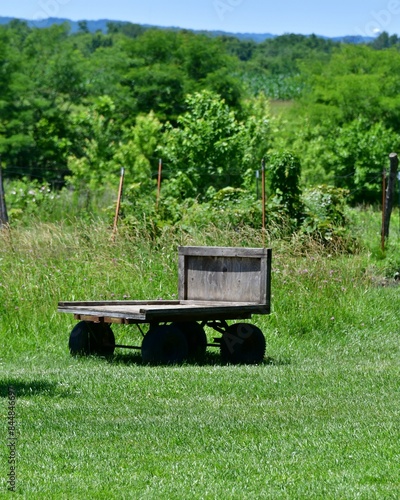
216, 285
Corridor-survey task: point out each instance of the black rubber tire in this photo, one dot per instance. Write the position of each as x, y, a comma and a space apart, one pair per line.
88, 338
195, 337
243, 343
164, 345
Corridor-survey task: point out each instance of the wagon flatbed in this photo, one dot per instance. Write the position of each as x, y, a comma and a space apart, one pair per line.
128, 312
216, 284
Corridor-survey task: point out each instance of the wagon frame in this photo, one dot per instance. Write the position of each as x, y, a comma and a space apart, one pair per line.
215, 285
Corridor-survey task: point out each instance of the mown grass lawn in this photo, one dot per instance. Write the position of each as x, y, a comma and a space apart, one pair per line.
318, 419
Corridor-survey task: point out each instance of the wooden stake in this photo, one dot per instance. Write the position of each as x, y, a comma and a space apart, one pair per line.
263, 199
3, 208
121, 184
390, 192
383, 209
159, 181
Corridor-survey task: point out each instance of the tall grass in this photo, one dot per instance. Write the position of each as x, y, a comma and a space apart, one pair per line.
318, 419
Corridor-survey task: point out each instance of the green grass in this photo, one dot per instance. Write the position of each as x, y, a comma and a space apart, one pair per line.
318, 419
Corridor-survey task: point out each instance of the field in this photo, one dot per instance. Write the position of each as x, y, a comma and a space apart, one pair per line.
318, 419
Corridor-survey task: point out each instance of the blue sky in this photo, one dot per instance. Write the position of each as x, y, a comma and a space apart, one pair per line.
330, 18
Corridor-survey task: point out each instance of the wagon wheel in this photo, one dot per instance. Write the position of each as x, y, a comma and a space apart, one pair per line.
195, 337
164, 345
243, 343
91, 338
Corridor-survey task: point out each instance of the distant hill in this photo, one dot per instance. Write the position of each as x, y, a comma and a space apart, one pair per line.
101, 25
93, 26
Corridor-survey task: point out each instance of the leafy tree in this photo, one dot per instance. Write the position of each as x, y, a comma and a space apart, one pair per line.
284, 173
282, 55
137, 152
201, 55
166, 65
90, 168
242, 49
105, 69
205, 146
83, 27
357, 81
154, 46
159, 88
224, 84
106, 147
350, 156
45, 81
128, 29
385, 41
275, 65
359, 152
211, 149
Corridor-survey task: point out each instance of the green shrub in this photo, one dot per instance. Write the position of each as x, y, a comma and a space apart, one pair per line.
26, 198
325, 217
284, 171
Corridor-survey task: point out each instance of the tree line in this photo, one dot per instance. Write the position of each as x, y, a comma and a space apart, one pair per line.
75, 108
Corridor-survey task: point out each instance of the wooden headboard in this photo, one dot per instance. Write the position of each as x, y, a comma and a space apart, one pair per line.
225, 274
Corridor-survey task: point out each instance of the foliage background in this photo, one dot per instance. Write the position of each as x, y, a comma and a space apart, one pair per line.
76, 107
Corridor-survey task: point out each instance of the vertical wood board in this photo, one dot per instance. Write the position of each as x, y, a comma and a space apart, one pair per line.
224, 274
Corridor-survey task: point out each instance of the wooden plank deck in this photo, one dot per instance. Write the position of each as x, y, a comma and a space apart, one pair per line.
148, 311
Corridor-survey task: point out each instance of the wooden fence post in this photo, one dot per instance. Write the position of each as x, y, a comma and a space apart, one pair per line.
390, 192
263, 196
3, 208
159, 181
117, 208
